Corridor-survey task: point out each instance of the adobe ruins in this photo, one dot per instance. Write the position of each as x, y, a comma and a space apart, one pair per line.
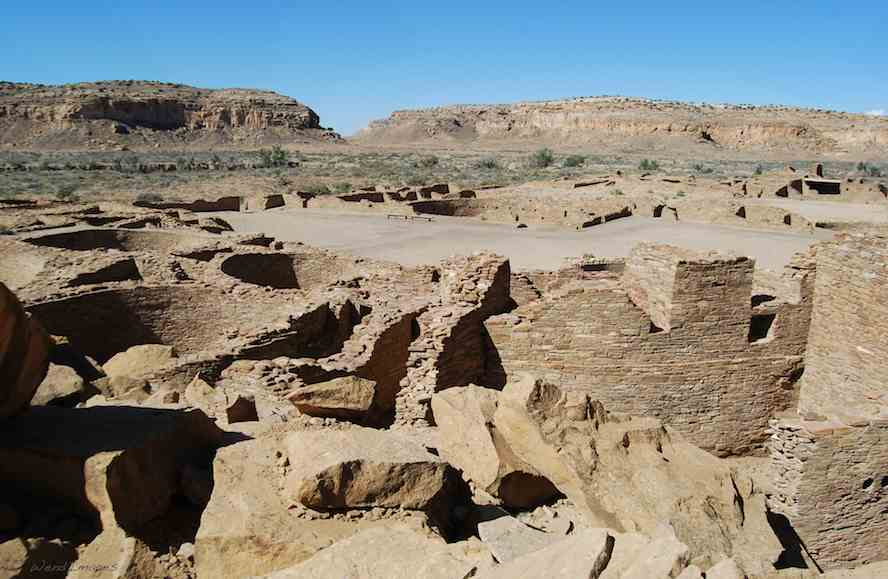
180, 400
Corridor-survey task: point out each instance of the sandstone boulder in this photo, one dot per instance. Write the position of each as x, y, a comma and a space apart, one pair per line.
631, 474
114, 555
469, 441
248, 527
584, 554
24, 355
363, 467
508, 538
139, 361
62, 386
349, 397
393, 553
118, 465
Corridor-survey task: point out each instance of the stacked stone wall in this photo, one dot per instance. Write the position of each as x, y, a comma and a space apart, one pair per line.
704, 377
831, 482
848, 346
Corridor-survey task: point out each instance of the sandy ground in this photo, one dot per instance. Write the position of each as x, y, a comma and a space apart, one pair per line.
420, 242
831, 210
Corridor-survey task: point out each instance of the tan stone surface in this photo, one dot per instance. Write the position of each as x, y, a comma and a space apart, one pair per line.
24, 355
346, 397
614, 469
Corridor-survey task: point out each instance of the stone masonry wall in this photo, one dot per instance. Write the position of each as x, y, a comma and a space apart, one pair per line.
831, 482
847, 360
703, 377
450, 350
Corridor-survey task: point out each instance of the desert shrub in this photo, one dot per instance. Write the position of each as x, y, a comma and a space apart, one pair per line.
700, 168
680, 194
5, 230
488, 163
67, 193
542, 158
149, 197
316, 188
342, 187
648, 165
427, 162
759, 170
618, 192
869, 170
575, 161
274, 157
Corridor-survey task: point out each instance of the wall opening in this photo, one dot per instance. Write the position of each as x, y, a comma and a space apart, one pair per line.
654, 329
787, 219
741, 212
825, 187
761, 327
759, 299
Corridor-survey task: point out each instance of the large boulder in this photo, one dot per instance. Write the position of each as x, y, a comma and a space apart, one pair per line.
62, 386
24, 355
631, 474
468, 440
364, 467
119, 465
393, 553
349, 397
139, 361
249, 528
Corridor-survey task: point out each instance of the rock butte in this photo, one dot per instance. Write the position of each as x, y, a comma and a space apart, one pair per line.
182, 398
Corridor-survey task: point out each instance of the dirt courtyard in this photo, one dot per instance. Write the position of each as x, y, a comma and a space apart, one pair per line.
420, 242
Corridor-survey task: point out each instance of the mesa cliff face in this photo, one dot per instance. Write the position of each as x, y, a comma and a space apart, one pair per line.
146, 113
589, 120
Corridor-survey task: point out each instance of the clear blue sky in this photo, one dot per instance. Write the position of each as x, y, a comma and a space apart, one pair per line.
356, 61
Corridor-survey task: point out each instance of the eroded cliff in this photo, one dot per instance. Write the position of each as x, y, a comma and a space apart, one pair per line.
139, 113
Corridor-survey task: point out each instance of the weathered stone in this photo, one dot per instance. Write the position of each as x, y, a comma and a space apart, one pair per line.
248, 527
62, 385
469, 441
508, 538
139, 361
201, 395
114, 555
632, 474
390, 552
725, 569
584, 554
121, 465
348, 397
24, 355
363, 467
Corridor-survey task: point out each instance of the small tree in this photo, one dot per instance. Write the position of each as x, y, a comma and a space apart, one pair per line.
542, 158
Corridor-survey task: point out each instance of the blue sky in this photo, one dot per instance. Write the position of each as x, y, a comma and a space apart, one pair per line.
356, 61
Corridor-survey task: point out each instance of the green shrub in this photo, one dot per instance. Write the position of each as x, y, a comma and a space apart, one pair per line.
759, 170
648, 165
149, 197
700, 168
342, 187
618, 192
680, 194
316, 188
487, 163
542, 158
67, 193
274, 157
427, 162
575, 161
